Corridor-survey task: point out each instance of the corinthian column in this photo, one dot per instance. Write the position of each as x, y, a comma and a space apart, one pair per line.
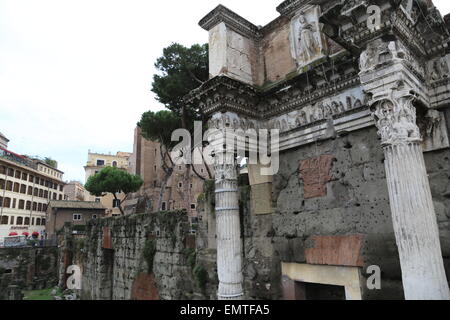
414, 218
229, 247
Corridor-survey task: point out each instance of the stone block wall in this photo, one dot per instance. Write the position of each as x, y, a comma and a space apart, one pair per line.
141, 257
26, 269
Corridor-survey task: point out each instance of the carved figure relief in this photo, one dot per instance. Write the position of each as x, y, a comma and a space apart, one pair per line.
307, 41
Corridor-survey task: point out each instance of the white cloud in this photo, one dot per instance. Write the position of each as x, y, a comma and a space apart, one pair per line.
76, 74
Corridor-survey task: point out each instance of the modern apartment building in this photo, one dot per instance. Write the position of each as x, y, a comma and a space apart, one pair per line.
96, 162
26, 187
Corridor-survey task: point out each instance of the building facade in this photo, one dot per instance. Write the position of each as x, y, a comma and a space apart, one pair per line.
359, 94
75, 191
96, 162
26, 187
78, 213
3, 141
177, 191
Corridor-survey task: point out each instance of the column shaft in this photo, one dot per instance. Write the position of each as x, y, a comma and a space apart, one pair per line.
229, 246
415, 223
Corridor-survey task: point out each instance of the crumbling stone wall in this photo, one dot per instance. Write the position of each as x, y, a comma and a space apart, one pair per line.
142, 257
26, 269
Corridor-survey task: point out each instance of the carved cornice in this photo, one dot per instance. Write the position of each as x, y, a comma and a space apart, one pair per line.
288, 7
222, 94
232, 20
424, 31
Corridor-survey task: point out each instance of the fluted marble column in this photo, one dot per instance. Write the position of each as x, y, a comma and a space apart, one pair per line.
229, 246
414, 218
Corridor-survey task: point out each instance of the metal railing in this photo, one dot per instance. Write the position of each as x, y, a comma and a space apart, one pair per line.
44, 243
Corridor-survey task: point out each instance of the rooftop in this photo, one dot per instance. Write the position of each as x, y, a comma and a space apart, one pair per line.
3, 136
76, 205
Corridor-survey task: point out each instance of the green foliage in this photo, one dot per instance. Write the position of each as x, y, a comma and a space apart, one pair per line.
113, 180
52, 163
158, 126
79, 228
40, 295
149, 253
182, 70
201, 275
191, 257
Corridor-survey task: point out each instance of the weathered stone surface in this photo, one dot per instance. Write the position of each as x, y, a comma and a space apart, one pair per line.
26, 269
316, 174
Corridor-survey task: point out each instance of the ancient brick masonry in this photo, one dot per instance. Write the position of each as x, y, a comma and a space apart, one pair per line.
316, 174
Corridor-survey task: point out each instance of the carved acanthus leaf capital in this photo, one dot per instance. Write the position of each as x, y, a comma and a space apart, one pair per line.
395, 118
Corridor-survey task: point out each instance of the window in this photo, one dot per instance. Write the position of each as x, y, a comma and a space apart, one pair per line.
43, 221
21, 204
28, 207
114, 164
38, 221
31, 178
77, 217
94, 216
2, 170
32, 221
11, 172
60, 197
180, 184
193, 206
14, 202
18, 174
116, 203
37, 180
23, 189
35, 192
34, 206
4, 220
27, 221
97, 200
2, 184
39, 207
44, 207
100, 163
30, 191
19, 221
41, 193
6, 203
9, 185
11, 220
24, 176
164, 206
16, 187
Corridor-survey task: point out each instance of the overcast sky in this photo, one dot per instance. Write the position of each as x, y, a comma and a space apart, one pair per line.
75, 75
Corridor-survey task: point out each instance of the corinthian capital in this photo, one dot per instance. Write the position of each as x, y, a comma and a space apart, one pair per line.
395, 118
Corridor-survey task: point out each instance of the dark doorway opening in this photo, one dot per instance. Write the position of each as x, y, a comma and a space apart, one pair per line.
314, 291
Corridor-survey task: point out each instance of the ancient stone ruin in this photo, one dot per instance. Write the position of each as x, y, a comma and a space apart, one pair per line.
358, 206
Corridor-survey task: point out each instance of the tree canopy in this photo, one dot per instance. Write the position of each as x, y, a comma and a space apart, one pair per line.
181, 70
158, 126
115, 181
